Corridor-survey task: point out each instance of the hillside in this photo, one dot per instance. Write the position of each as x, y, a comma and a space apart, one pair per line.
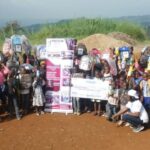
143, 20
77, 28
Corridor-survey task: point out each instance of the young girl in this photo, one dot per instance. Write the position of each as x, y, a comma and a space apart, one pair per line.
97, 102
38, 96
106, 77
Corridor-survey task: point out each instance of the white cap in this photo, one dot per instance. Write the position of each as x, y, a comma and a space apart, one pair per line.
133, 93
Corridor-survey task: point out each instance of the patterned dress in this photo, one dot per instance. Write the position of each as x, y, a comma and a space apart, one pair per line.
38, 97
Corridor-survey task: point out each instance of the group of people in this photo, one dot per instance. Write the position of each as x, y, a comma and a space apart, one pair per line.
128, 102
22, 87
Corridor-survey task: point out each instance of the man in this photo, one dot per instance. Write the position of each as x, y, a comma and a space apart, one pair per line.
134, 112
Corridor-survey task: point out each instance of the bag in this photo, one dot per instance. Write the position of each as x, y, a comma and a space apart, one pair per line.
2, 57
80, 50
147, 51
12, 64
143, 61
124, 52
85, 63
97, 63
25, 81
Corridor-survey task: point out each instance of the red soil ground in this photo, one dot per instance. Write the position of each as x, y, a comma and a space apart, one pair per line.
61, 132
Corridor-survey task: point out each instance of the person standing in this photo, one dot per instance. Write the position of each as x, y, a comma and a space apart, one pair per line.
97, 102
145, 92
38, 96
25, 84
12, 99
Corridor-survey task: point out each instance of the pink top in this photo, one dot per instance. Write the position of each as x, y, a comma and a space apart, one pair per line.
1, 78
3, 72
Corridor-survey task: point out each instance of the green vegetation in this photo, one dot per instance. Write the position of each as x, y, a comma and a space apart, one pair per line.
80, 28
77, 28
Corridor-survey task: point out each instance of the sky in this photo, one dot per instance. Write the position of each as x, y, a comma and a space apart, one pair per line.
34, 11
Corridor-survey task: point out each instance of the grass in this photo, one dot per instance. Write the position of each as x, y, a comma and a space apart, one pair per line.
82, 27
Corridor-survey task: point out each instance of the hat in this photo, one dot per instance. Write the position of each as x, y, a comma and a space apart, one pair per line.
133, 93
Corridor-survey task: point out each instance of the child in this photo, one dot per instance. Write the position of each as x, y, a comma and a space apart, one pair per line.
123, 99
38, 96
97, 102
145, 92
111, 107
106, 77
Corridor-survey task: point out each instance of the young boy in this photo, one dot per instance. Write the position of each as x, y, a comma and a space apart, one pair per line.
111, 107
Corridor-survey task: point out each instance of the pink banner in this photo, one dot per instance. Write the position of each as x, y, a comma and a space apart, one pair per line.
60, 55
53, 75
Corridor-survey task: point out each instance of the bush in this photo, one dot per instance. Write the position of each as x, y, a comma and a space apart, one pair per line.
82, 27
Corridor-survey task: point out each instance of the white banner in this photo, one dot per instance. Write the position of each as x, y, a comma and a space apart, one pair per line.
56, 44
89, 88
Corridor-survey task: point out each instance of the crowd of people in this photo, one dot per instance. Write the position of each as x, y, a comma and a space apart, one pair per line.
128, 100
22, 87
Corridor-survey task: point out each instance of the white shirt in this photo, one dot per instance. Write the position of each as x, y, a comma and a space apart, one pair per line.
136, 106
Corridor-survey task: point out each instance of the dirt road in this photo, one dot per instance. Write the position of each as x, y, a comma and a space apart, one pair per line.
61, 132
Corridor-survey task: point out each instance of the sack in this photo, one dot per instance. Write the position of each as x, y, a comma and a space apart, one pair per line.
147, 51
80, 50
12, 64
2, 59
124, 52
143, 61
85, 63
25, 81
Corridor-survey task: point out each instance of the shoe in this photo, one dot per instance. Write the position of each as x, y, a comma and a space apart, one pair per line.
78, 113
105, 115
127, 124
42, 112
19, 118
131, 126
99, 114
138, 129
120, 123
75, 113
109, 119
37, 114
114, 120
95, 114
